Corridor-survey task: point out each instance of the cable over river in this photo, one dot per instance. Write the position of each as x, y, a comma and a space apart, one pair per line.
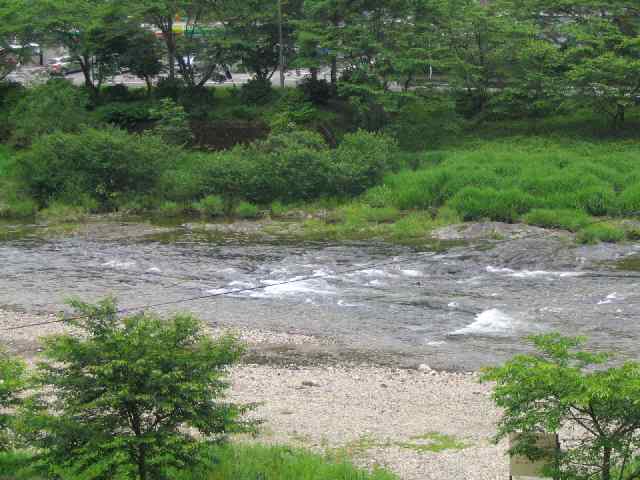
458, 307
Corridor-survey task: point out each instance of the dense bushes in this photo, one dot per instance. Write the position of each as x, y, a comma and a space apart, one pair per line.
56, 106
105, 165
287, 167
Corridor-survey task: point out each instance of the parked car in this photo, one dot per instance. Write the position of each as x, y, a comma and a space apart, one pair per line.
63, 66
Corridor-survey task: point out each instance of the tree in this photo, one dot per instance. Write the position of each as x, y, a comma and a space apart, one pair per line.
16, 35
563, 387
12, 383
142, 58
172, 124
126, 395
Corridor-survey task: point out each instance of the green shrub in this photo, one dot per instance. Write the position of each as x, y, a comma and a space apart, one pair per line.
58, 212
172, 124
124, 115
596, 200
572, 220
133, 393
474, 203
12, 384
318, 92
277, 209
629, 201
17, 208
170, 209
169, 88
600, 232
210, 206
256, 91
115, 93
247, 210
414, 225
102, 164
56, 106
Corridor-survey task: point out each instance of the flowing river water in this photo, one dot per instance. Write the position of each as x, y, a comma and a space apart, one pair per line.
460, 307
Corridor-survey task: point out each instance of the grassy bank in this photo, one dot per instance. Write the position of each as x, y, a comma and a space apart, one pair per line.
237, 462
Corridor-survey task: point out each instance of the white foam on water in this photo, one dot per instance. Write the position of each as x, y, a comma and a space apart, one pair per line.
154, 270
453, 304
492, 322
434, 343
609, 298
376, 283
342, 303
275, 288
531, 273
120, 265
218, 291
376, 272
411, 273
241, 284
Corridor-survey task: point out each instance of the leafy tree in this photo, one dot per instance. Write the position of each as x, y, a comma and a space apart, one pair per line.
143, 57
172, 123
128, 395
565, 388
56, 106
12, 383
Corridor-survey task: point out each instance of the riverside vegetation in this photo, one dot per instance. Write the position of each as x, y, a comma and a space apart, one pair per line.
365, 186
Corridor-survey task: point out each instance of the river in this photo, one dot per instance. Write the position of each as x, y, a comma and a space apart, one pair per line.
458, 308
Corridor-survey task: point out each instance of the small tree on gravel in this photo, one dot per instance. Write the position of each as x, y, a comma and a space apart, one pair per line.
563, 388
12, 383
125, 398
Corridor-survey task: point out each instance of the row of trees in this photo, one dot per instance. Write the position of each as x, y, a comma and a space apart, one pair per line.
532, 53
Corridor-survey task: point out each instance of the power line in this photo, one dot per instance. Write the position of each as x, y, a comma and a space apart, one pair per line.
225, 293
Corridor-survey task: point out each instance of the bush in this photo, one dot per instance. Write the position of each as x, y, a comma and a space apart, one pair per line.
133, 392
596, 200
58, 212
629, 201
572, 220
256, 91
426, 124
172, 124
170, 209
247, 210
210, 206
474, 203
12, 384
600, 232
125, 115
167, 88
56, 106
318, 92
115, 93
102, 164
17, 208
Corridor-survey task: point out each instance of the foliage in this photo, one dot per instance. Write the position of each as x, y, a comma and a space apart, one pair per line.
600, 232
247, 210
572, 220
172, 124
126, 393
170, 209
210, 206
103, 164
56, 106
256, 91
318, 92
562, 386
124, 115
12, 384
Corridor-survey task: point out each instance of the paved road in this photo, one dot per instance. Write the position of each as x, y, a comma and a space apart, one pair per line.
35, 75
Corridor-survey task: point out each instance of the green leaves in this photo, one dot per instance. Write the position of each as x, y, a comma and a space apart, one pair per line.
562, 389
126, 392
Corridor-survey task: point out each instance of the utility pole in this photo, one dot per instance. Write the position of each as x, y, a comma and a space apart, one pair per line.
281, 41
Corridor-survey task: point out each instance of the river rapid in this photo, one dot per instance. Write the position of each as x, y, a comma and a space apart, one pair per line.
459, 307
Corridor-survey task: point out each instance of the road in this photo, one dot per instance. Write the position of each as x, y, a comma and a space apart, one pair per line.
35, 75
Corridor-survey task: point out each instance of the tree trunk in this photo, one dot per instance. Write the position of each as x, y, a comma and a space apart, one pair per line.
314, 74
334, 71
85, 65
606, 464
142, 463
170, 40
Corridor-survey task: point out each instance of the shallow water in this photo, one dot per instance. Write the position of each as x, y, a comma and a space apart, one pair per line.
462, 308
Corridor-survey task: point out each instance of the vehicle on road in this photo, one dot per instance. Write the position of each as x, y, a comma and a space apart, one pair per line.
63, 66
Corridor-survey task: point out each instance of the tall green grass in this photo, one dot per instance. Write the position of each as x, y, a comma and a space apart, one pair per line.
506, 180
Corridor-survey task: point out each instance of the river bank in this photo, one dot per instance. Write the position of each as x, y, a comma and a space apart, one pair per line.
419, 423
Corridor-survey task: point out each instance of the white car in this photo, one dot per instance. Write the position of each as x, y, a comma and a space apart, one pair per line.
63, 66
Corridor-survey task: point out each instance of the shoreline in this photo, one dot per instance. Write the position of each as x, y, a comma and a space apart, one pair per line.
376, 415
